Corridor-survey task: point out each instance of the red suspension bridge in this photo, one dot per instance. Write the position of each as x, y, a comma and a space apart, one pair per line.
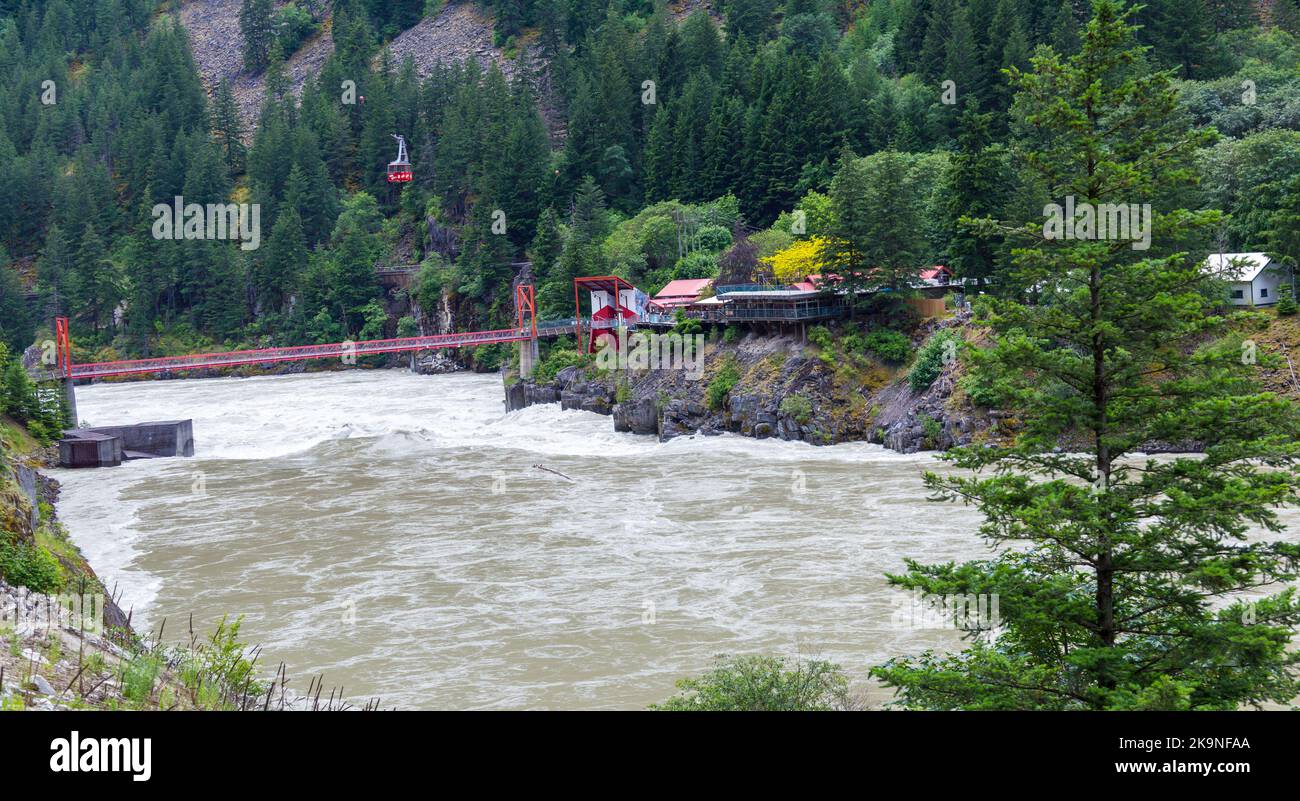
337, 350
527, 328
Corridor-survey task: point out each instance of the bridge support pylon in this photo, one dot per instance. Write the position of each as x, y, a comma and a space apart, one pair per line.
70, 398
528, 357
63, 350
526, 320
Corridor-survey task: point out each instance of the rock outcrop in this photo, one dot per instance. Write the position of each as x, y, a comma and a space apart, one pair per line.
436, 362
911, 421
785, 391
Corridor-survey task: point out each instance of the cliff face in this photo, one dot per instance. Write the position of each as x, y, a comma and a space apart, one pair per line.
783, 389
458, 32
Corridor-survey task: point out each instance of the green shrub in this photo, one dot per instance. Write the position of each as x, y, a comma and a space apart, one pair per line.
820, 336
932, 429
985, 391
713, 238
798, 407
889, 346
292, 26
1286, 304
731, 335
30, 566
762, 684
139, 676
686, 326
697, 265
930, 360
555, 361
723, 382
407, 327
490, 357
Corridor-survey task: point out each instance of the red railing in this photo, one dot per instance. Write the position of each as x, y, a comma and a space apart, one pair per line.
297, 353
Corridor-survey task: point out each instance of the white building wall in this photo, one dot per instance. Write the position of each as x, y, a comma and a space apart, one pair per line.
1266, 286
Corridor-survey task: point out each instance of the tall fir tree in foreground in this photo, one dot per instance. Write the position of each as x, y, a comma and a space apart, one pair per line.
1119, 579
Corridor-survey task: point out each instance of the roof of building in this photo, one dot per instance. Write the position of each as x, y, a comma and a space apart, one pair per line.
1238, 266
684, 288
819, 281
930, 273
813, 282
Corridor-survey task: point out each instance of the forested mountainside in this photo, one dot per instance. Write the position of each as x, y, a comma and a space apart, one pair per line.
594, 137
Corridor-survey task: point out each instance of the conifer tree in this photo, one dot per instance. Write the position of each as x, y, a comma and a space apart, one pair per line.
976, 183
753, 19
55, 267
874, 238
96, 288
1117, 590
259, 34
226, 128
355, 249
16, 328
278, 266
484, 262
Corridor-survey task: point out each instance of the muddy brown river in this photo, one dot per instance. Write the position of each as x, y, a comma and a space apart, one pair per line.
390, 532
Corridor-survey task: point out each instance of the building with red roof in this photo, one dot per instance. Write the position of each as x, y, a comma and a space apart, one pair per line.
938, 275
681, 292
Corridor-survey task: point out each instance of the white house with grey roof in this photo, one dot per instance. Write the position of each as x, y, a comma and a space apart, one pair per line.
1253, 278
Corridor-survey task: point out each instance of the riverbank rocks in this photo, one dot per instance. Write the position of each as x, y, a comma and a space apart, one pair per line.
436, 362
684, 418
28, 484
522, 394
670, 403
638, 416
588, 396
911, 421
786, 390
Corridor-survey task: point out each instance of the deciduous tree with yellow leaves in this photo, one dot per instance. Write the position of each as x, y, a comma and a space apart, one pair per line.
798, 261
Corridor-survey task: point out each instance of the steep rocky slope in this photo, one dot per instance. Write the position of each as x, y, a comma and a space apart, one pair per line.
213, 30
459, 32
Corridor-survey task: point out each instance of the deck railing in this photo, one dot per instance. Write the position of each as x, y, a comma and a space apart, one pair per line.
725, 288
782, 312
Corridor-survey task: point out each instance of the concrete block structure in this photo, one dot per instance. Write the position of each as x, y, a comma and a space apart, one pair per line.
82, 448
109, 446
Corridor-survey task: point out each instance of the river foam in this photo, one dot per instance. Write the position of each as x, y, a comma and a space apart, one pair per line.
391, 532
